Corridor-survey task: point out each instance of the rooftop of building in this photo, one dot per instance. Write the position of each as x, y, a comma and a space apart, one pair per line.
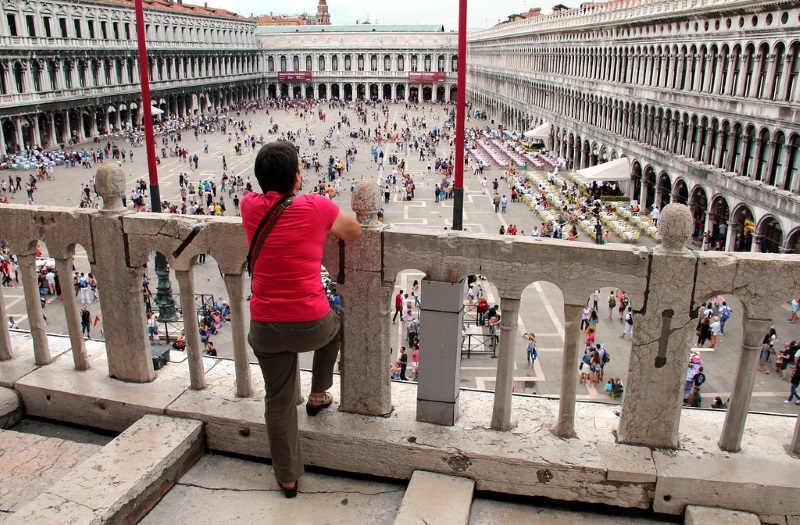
357, 28
180, 7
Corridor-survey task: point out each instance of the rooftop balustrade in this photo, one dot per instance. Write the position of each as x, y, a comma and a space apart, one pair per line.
669, 282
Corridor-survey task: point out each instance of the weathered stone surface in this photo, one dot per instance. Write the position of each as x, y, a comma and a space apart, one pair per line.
130, 359
512, 263
367, 202
91, 398
436, 499
226, 490
110, 184
628, 464
657, 369
674, 227
23, 364
59, 228
763, 486
30, 464
10, 408
696, 515
122, 482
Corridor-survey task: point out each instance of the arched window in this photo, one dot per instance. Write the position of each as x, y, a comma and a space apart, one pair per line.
401, 63
387, 63
335, 63
348, 63
295, 63
454, 63
321, 63
360, 60
270, 64
793, 69
283, 62
309, 66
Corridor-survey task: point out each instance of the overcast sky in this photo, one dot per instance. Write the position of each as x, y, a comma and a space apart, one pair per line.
480, 13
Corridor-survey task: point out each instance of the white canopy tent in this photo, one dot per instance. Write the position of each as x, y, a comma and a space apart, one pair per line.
540, 132
617, 170
156, 111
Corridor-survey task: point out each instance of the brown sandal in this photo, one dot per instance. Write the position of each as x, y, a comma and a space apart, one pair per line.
324, 401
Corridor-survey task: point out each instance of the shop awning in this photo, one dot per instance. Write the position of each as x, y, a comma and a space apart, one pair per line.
615, 170
540, 132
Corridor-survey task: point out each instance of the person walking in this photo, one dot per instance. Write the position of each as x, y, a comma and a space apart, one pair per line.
86, 321
794, 383
289, 311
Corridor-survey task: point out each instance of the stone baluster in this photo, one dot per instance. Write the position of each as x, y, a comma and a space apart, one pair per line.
234, 284
194, 348
128, 351
736, 416
30, 284
79, 356
654, 394
6, 350
569, 362
366, 386
501, 414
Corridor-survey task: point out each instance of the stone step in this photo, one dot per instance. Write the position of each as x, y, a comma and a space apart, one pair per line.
433, 499
226, 490
122, 481
10, 408
30, 464
696, 515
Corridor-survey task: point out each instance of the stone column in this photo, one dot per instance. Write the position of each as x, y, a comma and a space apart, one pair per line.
441, 318
654, 391
18, 130
569, 362
736, 416
643, 196
64, 269
794, 448
730, 241
234, 286
501, 414
366, 298
6, 350
127, 347
37, 132
51, 122
194, 347
30, 284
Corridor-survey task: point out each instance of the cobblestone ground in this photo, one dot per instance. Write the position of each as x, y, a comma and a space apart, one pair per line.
541, 306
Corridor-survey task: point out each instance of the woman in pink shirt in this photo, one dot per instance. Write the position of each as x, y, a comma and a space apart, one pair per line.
289, 310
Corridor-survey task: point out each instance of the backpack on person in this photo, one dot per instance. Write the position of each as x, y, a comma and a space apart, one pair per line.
606, 357
725, 313
699, 378
612, 302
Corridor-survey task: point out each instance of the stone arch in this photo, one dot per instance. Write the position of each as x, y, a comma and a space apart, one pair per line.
769, 234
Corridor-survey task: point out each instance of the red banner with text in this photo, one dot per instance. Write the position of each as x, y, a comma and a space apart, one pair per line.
294, 76
427, 76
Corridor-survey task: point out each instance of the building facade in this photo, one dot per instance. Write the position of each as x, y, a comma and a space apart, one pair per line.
700, 95
360, 61
69, 70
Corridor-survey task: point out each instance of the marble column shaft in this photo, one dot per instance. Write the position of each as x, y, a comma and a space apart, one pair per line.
234, 287
6, 350
501, 415
79, 356
30, 284
569, 362
194, 349
742, 391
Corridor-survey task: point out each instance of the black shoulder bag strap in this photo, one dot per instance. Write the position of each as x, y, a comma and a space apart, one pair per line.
267, 223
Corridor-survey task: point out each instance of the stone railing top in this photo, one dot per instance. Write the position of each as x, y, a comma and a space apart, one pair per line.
367, 203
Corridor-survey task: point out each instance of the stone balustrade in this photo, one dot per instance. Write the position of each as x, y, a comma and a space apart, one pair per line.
668, 281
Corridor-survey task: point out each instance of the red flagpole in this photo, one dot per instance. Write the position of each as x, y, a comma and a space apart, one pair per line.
150, 138
461, 102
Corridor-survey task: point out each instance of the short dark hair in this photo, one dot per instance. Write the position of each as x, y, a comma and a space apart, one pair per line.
275, 167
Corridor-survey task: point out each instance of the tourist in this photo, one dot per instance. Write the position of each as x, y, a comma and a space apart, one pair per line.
403, 360
795, 305
398, 306
283, 306
628, 328
694, 399
530, 343
716, 330
703, 331
793, 384
86, 321
612, 303
415, 363
12, 324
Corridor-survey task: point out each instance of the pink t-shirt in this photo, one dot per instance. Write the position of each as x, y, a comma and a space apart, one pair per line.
286, 277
